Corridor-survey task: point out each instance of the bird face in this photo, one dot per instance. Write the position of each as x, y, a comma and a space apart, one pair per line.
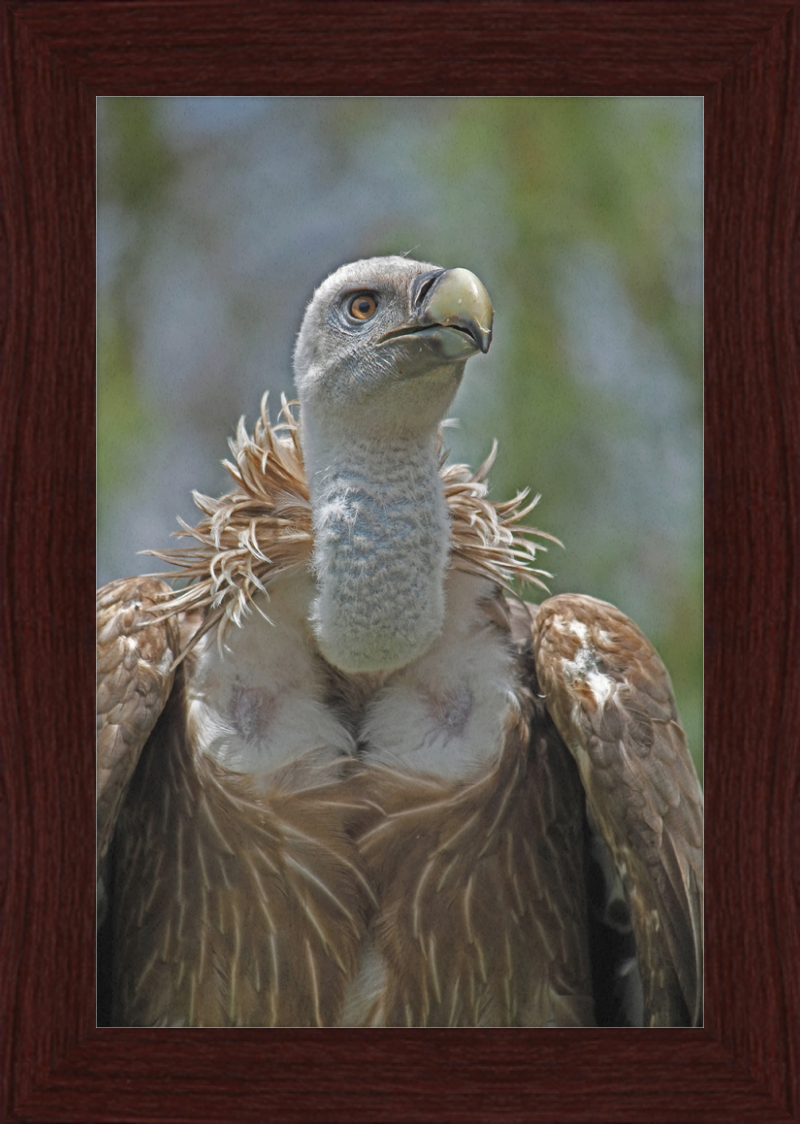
389, 338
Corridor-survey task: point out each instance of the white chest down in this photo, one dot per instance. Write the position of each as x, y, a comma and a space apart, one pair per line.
266, 699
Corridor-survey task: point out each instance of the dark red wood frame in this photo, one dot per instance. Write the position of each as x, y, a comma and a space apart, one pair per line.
743, 56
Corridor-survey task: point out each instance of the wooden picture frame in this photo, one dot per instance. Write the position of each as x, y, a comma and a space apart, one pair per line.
58, 55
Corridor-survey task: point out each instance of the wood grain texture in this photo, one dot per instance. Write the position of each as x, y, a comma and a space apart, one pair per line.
57, 56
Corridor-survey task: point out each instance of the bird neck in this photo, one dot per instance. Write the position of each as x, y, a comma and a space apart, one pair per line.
381, 541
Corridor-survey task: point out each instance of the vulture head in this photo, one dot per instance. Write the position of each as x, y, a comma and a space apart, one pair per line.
379, 357
383, 346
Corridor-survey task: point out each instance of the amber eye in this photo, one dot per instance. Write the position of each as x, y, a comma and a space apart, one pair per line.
363, 307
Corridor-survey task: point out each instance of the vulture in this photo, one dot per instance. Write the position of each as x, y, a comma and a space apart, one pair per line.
346, 775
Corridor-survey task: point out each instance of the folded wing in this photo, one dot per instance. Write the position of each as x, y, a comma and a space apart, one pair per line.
611, 699
135, 653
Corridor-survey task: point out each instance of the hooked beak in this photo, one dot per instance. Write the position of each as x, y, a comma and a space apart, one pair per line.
453, 311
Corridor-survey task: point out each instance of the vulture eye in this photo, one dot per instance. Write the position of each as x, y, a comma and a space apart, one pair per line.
363, 307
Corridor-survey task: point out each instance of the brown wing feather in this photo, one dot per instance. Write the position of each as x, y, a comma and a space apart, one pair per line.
135, 651
612, 702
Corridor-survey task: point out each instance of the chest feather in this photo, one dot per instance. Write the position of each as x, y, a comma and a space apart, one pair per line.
305, 848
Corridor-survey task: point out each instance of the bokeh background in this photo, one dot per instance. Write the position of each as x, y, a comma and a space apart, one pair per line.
217, 217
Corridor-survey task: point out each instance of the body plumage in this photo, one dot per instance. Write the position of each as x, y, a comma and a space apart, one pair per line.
346, 777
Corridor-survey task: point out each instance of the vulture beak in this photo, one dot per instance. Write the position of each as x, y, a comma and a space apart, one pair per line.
452, 311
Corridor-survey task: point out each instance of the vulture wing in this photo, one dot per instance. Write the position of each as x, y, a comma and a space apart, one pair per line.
611, 699
135, 653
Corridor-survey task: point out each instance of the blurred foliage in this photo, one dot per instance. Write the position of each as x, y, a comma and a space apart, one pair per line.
582, 215
134, 170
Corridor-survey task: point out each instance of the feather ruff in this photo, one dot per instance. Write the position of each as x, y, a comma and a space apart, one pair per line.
262, 531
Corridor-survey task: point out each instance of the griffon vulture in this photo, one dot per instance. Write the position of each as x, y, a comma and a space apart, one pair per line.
346, 777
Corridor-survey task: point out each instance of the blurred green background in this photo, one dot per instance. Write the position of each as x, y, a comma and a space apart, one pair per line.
217, 217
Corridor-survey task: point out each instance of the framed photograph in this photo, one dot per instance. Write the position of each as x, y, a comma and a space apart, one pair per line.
217, 220
739, 63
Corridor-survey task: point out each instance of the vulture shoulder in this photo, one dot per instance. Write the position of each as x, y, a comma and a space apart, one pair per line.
611, 699
136, 648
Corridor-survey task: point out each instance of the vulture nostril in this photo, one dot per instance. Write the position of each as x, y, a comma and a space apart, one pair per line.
426, 288
426, 283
